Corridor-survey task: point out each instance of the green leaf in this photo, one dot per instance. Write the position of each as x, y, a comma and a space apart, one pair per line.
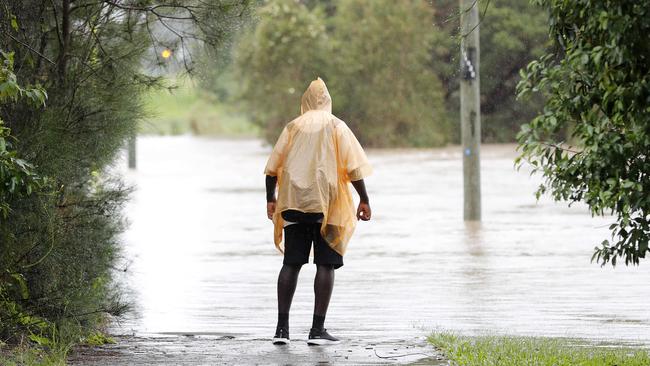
14, 22
40, 340
22, 285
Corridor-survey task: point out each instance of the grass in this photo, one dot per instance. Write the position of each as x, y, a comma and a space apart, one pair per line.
533, 351
187, 109
54, 352
30, 354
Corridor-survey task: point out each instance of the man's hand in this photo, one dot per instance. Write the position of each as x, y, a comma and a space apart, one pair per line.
270, 209
363, 211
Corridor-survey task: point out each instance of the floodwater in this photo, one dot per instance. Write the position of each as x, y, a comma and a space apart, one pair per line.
202, 261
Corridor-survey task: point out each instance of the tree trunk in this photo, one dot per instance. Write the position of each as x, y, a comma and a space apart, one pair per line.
65, 39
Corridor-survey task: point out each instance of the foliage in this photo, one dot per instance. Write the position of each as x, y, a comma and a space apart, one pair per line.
512, 33
532, 351
395, 81
59, 249
381, 77
286, 49
98, 339
18, 180
598, 93
386, 96
17, 176
26, 354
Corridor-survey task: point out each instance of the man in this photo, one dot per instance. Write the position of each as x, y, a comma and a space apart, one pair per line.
314, 159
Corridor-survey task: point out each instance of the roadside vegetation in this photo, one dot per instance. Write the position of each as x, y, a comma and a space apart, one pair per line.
73, 82
391, 66
184, 107
534, 351
591, 142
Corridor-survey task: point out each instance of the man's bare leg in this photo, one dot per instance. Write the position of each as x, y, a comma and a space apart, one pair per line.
287, 281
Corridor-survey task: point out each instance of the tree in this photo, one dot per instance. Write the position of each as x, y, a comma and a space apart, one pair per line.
513, 33
413, 56
18, 180
62, 247
17, 176
381, 77
276, 61
597, 85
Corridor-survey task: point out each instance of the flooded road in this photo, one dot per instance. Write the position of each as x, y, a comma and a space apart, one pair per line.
202, 259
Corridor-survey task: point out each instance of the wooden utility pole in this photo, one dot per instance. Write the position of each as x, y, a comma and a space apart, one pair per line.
131, 152
470, 108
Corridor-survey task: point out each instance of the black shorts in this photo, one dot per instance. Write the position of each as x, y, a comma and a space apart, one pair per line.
298, 239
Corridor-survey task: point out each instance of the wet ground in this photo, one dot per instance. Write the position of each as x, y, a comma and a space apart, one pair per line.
205, 349
202, 265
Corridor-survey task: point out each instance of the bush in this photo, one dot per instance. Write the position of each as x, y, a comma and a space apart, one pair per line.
391, 66
277, 60
597, 92
381, 79
59, 242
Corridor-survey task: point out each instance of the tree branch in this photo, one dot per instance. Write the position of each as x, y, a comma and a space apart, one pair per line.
153, 9
30, 48
480, 18
560, 147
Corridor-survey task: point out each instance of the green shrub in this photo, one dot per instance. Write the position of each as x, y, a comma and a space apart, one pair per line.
382, 82
597, 95
277, 60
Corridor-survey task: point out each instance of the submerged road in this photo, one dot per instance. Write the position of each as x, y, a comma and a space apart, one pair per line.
202, 266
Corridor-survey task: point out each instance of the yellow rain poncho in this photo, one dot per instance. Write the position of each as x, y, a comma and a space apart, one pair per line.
315, 159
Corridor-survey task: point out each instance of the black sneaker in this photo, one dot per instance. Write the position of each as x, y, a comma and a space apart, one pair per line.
320, 337
281, 336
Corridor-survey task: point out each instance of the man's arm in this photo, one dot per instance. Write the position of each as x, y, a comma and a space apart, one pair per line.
363, 211
356, 164
271, 182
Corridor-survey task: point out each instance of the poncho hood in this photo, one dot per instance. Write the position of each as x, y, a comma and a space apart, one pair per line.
316, 97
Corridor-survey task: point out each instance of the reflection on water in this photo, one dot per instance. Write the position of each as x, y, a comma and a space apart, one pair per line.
203, 258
